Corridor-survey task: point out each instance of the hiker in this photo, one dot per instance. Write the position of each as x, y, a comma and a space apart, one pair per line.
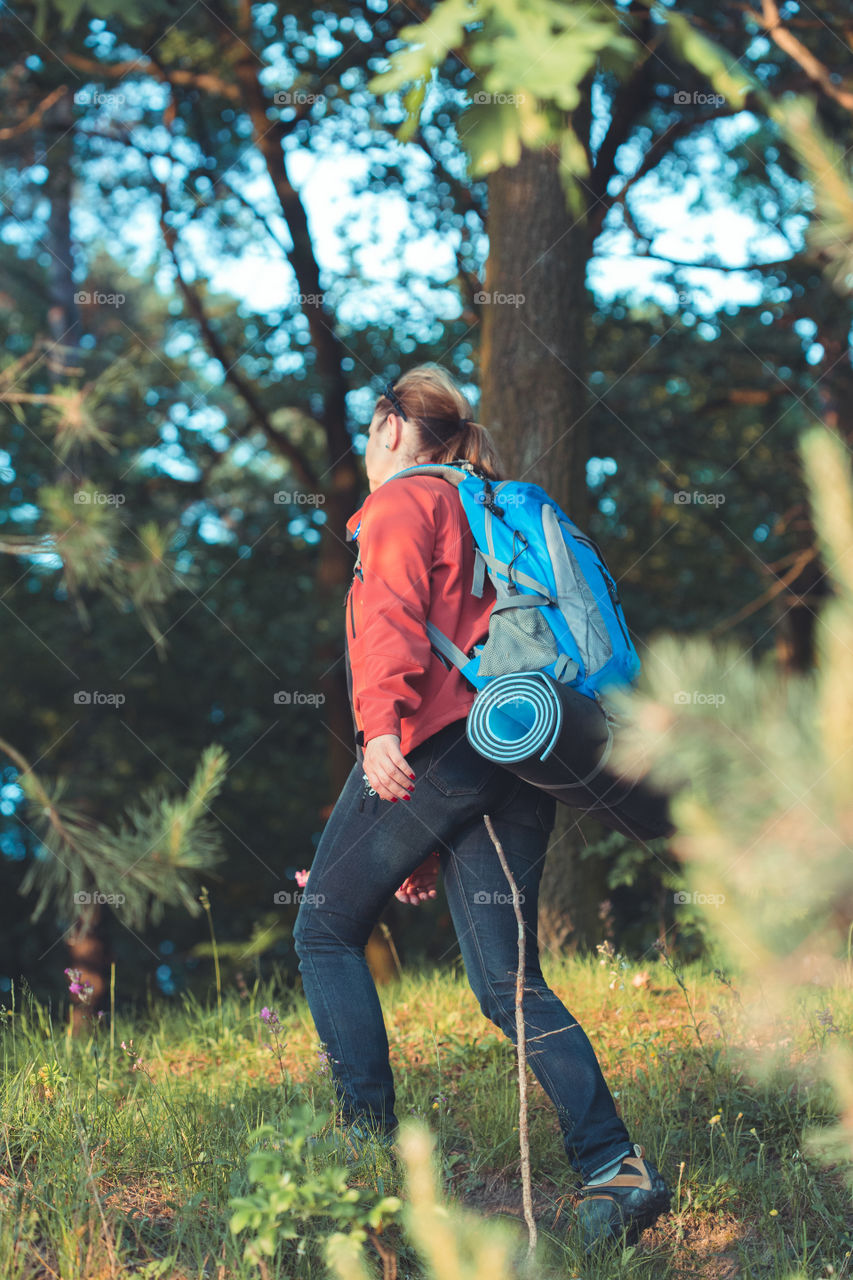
415, 801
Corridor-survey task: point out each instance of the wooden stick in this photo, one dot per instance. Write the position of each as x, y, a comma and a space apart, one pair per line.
523, 1139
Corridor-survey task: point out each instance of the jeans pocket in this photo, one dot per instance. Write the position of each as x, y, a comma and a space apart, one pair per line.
455, 768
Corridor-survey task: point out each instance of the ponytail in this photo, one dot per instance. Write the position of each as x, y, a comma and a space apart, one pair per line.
440, 415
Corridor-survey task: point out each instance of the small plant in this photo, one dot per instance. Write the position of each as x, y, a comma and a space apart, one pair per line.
271, 1019
618, 964
323, 1067
204, 899
51, 1079
710, 1060
137, 1062
290, 1198
77, 986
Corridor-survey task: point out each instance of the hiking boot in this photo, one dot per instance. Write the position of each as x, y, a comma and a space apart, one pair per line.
631, 1200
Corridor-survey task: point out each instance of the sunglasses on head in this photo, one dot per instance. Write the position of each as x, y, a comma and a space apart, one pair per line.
390, 394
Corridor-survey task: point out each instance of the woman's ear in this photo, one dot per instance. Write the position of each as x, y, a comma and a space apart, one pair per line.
395, 424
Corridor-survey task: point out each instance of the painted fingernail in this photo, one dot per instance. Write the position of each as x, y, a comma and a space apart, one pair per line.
411, 775
393, 799
407, 797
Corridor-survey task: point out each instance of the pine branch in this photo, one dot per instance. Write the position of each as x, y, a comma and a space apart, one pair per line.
35, 117
154, 856
813, 67
831, 233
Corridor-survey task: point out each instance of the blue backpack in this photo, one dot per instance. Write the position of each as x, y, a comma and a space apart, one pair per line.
557, 607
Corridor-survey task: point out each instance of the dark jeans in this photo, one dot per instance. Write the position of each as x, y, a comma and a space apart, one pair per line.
363, 857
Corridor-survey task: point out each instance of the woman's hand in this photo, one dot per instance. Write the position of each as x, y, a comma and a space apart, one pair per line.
386, 768
420, 885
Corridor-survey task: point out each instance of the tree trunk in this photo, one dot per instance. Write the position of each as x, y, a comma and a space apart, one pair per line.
533, 352
796, 610
90, 951
533, 376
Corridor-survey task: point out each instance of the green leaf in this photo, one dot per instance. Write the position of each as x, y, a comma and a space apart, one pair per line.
572, 153
720, 67
573, 163
432, 41
493, 136
241, 1219
407, 67
413, 101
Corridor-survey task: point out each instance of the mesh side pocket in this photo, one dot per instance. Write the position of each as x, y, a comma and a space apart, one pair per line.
519, 640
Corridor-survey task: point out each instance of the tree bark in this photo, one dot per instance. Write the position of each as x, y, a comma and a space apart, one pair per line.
533, 377
533, 352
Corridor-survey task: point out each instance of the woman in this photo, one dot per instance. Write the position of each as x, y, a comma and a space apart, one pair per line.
416, 560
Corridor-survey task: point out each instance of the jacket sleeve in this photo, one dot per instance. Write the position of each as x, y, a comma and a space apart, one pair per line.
391, 650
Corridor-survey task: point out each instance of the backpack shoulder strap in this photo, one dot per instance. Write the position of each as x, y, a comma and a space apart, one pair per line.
455, 472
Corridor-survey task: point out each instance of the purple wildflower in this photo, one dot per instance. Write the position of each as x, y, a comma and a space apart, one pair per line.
270, 1017
78, 986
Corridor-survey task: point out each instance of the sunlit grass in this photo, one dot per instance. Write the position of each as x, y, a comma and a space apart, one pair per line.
114, 1163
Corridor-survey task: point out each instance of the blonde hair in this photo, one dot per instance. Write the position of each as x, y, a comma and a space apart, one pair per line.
441, 417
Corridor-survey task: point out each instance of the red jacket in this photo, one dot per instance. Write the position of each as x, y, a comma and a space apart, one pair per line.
416, 563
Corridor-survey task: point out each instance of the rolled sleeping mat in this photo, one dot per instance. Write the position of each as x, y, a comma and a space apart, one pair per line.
560, 741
